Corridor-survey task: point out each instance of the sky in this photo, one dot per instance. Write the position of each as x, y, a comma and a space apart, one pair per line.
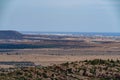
60, 15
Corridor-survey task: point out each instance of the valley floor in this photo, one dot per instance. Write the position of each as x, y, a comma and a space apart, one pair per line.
45, 57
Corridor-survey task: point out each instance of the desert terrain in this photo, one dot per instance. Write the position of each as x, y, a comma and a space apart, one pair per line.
58, 57
56, 49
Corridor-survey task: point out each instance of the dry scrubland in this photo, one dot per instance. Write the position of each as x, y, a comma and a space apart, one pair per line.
49, 56
80, 70
58, 57
94, 63
46, 60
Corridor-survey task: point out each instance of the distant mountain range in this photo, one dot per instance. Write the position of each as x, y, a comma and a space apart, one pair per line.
9, 34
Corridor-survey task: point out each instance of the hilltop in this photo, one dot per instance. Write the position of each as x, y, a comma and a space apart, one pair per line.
10, 34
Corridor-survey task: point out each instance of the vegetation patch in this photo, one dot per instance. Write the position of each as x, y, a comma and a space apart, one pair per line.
80, 70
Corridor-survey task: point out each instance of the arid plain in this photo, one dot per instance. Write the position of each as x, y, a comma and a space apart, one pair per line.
63, 49
55, 49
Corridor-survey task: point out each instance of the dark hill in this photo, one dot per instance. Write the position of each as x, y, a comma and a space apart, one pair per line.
9, 34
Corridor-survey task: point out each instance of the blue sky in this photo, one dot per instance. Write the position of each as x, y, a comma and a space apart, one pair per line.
60, 15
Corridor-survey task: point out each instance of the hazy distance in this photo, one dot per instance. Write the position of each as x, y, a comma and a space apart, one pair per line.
60, 15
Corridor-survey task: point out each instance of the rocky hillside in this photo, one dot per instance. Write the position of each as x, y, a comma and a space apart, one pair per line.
9, 34
84, 70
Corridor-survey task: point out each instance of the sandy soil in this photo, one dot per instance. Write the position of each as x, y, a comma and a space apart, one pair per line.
44, 60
